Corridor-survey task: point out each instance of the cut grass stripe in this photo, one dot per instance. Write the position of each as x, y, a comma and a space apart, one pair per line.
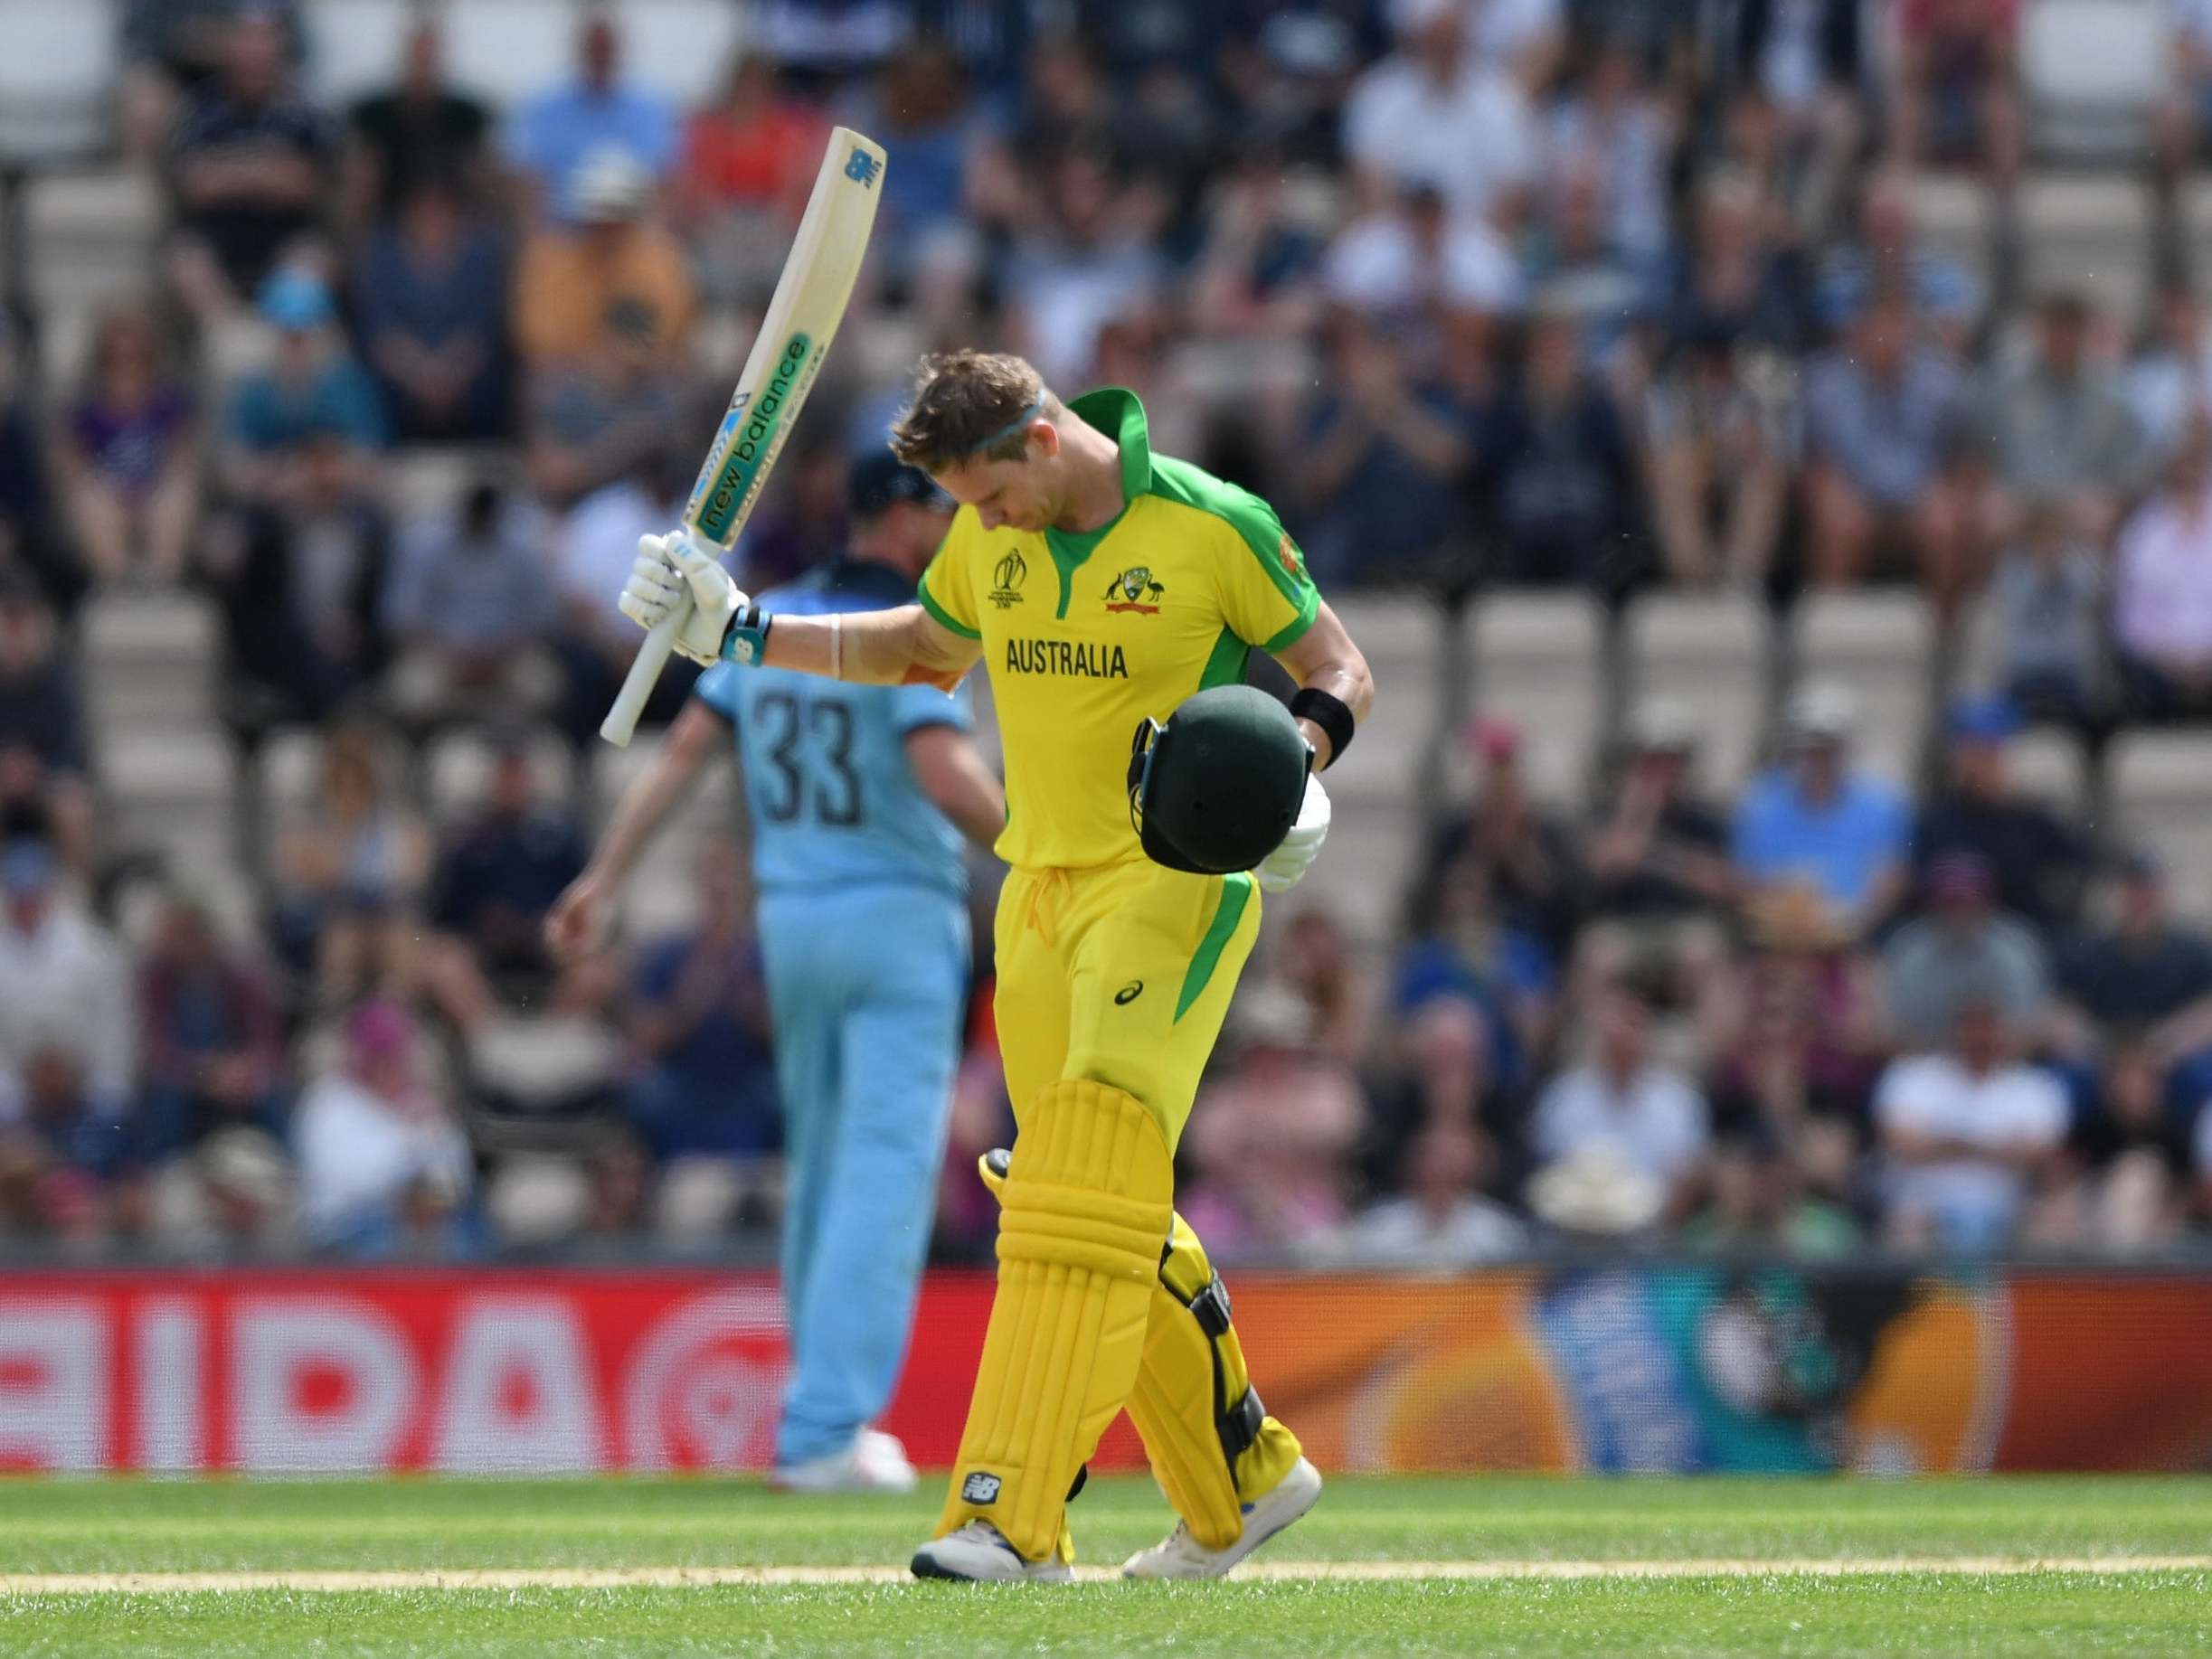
347, 1582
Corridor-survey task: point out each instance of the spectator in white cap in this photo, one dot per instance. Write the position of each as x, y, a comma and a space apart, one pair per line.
611, 275
1814, 819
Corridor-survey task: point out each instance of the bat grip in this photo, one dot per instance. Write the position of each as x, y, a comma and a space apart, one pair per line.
621, 721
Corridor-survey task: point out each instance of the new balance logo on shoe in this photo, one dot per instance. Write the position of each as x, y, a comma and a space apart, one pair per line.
980, 1488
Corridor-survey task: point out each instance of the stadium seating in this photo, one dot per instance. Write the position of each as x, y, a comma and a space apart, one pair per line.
1710, 652
2090, 69
150, 662
456, 769
57, 69
1882, 646
1538, 662
2161, 798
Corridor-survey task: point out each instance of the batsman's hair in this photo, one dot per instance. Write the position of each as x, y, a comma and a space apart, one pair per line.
970, 406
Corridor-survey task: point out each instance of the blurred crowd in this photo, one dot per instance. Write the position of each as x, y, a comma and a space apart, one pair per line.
1481, 293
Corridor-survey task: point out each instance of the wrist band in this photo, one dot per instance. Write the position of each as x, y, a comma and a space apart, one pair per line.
837, 646
1328, 713
746, 639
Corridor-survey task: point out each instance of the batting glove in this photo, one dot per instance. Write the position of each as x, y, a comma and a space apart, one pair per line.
1285, 867
676, 571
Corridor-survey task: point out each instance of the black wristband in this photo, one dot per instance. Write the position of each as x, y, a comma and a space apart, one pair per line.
745, 640
1329, 714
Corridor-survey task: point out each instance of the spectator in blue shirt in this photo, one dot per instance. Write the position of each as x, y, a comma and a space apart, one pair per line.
1886, 254
1884, 421
554, 133
699, 1023
431, 299
1815, 821
471, 609
494, 884
315, 389
1388, 452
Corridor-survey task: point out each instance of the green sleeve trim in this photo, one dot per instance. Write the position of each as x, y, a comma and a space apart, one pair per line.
1293, 631
1224, 665
1235, 894
944, 616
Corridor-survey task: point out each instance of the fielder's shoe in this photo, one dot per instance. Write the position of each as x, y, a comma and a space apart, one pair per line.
979, 1553
873, 1462
1181, 1556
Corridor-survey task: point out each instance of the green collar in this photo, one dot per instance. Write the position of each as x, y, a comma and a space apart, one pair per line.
1115, 410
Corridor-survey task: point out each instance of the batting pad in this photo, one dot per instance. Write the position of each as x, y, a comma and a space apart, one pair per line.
1212, 1445
1085, 1212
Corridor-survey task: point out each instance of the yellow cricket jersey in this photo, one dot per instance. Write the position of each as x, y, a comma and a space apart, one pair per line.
1084, 635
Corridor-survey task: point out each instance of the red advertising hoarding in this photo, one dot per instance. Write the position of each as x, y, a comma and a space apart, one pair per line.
1659, 1368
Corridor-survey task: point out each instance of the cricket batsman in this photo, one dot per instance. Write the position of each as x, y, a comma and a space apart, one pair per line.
1103, 585
859, 797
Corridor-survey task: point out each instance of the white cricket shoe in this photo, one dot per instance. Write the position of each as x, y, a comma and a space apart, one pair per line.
978, 1553
873, 1462
1181, 1556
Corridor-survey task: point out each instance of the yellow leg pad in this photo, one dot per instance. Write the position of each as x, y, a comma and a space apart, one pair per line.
1212, 1446
1085, 1210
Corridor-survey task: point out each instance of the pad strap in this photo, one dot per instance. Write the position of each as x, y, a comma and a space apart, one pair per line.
1241, 1424
1328, 712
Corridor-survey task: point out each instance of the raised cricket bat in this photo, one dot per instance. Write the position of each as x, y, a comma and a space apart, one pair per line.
795, 333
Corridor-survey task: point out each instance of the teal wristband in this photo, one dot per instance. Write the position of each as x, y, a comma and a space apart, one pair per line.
746, 641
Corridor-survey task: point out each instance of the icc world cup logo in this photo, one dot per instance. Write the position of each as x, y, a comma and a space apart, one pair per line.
1006, 580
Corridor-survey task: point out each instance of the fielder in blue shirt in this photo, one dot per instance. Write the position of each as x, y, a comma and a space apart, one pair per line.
859, 797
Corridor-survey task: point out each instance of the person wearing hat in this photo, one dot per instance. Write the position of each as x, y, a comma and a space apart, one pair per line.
608, 272
373, 1136
859, 797
2041, 862
1115, 595
313, 388
1815, 818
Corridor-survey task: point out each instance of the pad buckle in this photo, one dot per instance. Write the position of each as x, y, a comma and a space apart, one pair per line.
1210, 1308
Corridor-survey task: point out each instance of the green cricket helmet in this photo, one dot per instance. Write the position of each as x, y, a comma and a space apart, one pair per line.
1218, 787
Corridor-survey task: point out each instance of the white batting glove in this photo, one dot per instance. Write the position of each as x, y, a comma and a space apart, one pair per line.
677, 569
1285, 867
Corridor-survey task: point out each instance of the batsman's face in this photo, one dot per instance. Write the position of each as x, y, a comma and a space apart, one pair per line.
1005, 494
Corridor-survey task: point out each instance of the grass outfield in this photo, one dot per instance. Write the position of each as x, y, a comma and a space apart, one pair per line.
1703, 1568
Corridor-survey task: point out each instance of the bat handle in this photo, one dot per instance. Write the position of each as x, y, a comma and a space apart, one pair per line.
621, 721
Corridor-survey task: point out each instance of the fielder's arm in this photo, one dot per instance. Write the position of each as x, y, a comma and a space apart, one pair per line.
954, 778
578, 922
1324, 658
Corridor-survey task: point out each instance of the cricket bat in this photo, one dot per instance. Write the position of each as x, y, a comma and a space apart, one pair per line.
795, 333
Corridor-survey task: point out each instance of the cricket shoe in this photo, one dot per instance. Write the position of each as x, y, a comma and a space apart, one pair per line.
1181, 1556
873, 1462
978, 1553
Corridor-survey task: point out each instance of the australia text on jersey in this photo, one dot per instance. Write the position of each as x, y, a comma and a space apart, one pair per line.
1081, 659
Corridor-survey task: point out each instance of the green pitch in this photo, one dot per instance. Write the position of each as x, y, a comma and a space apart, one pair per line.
1736, 1560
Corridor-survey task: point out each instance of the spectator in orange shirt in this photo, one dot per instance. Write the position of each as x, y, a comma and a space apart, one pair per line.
613, 272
